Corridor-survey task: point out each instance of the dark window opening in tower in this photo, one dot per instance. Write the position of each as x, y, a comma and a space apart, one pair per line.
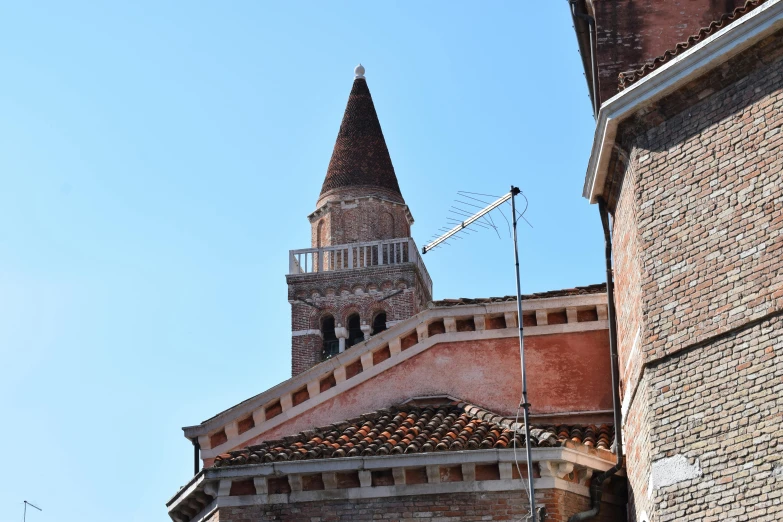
355, 334
379, 323
331, 346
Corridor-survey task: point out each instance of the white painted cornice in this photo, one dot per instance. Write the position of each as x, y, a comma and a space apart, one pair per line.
682, 69
211, 488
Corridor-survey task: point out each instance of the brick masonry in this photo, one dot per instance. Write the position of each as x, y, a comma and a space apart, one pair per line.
453, 507
697, 201
396, 290
632, 33
359, 220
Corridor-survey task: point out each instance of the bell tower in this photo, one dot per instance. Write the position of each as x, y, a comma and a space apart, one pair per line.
363, 272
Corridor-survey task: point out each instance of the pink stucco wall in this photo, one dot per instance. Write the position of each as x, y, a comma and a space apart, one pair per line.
566, 373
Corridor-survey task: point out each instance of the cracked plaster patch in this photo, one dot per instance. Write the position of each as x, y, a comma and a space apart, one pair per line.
672, 470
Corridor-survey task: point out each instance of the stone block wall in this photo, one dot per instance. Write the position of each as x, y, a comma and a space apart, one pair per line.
697, 203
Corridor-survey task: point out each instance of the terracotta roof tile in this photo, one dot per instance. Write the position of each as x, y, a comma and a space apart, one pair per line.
360, 157
579, 290
625, 79
415, 429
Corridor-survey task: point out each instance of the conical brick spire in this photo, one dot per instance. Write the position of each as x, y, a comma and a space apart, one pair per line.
360, 163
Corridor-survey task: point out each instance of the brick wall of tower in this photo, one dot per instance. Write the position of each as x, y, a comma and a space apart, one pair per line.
631, 34
698, 216
396, 290
449, 507
358, 220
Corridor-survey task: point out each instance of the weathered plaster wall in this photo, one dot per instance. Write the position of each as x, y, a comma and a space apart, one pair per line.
566, 373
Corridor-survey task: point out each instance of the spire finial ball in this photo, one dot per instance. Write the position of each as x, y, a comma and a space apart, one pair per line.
359, 71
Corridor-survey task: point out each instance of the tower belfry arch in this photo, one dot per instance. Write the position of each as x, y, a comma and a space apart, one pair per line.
362, 258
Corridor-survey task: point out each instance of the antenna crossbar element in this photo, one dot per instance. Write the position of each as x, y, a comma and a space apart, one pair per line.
467, 222
26, 503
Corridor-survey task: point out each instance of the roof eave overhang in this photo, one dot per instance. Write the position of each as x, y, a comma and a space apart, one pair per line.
693, 63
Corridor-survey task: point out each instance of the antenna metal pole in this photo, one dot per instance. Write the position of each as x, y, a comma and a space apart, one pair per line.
525, 404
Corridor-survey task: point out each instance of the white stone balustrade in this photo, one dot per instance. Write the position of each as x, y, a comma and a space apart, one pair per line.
358, 255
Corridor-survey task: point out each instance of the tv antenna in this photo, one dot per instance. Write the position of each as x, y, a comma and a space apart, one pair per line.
461, 226
26, 503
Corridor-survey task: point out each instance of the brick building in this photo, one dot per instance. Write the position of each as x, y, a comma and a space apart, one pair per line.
687, 160
678, 352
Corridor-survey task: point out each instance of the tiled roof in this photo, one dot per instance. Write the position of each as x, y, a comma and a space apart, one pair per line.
579, 290
409, 429
625, 79
360, 156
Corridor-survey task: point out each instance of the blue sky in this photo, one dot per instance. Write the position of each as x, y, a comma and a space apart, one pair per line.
159, 159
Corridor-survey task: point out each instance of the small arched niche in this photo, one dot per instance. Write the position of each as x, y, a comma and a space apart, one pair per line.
355, 334
378, 323
331, 345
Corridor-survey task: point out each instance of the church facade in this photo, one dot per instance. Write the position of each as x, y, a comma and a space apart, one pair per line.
656, 396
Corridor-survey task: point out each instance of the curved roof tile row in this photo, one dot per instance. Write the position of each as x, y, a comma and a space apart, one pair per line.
625, 79
415, 429
567, 292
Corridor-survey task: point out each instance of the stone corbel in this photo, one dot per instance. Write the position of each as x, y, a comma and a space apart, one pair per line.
542, 318
366, 361
259, 416
395, 346
224, 488
480, 322
511, 319
584, 475
313, 388
204, 443
505, 470
365, 478
422, 331
287, 402
211, 488
433, 474
450, 324
260, 484
602, 311
469, 472
330, 480
232, 430
555, 469
295, 481
571, 314
399, 476
340, 374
